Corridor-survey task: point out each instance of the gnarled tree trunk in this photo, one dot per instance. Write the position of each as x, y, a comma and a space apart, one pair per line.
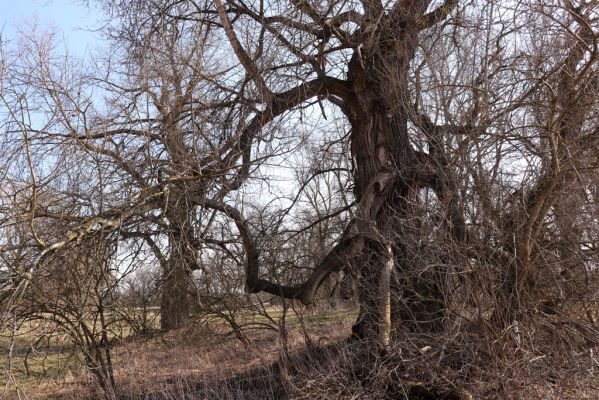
380, 142
177, 284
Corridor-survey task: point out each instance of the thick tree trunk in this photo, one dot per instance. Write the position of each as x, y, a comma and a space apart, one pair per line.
175, 304
177, 285
380, 142
417, 293
371, 143
373, 324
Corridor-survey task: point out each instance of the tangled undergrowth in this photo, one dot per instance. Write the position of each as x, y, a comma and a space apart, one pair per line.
318, 361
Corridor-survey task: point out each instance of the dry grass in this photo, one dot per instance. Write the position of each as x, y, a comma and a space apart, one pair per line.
204, 361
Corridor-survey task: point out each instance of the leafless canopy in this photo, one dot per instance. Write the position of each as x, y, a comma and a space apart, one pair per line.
441, 154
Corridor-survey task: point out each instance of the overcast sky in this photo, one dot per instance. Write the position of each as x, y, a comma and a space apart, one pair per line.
73, 20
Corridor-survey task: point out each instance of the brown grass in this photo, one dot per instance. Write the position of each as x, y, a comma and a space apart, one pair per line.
205, 361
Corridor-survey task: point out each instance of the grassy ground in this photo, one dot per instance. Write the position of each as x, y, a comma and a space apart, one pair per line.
31, 353
207, 360
51, 368
36, 354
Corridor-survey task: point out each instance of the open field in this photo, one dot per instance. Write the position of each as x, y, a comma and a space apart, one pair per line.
35, 352
205, 351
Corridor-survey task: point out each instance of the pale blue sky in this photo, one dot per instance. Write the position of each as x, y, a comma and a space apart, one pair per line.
73, 20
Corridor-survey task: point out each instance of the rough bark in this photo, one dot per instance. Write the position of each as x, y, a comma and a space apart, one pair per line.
380, 141
376, 101
177, 286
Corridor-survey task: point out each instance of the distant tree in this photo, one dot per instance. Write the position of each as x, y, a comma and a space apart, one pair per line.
138, 297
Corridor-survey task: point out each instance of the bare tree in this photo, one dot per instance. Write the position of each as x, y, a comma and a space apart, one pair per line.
73, 297
358, 57
138, 299
457, 137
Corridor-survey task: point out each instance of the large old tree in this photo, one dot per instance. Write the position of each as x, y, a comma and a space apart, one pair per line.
468, 133
413, 111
